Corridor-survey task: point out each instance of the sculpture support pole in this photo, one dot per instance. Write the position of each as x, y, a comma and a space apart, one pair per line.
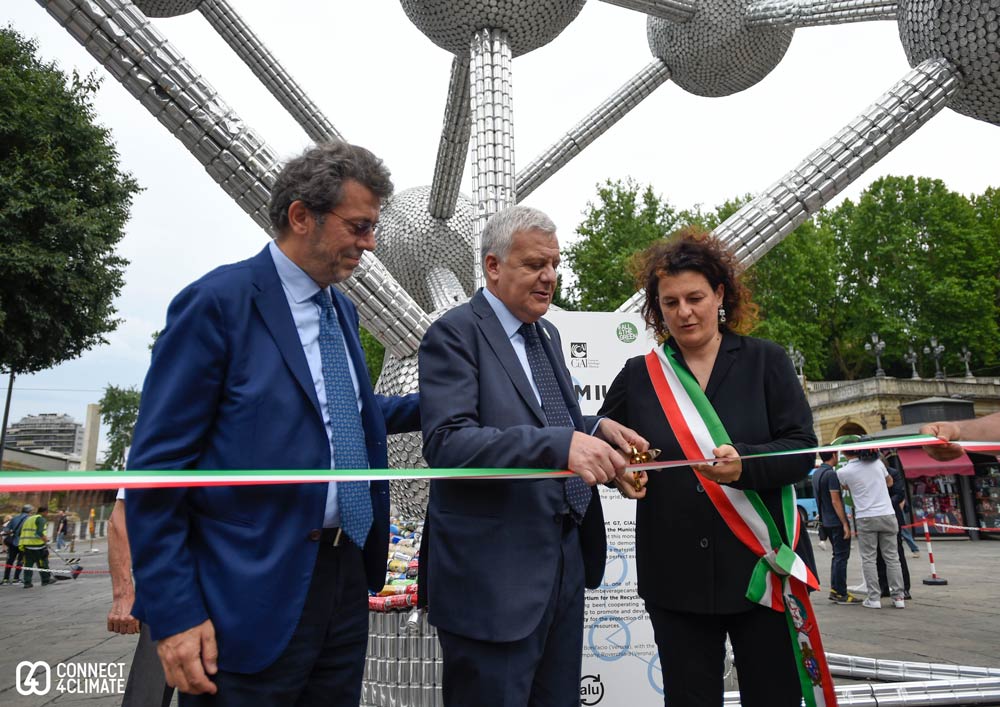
492, 133
453, 150
676, 10
897, 114
120, 37
268, 69
596, 123
812, 13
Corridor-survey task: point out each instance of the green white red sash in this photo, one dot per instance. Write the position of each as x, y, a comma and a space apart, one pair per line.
780, 579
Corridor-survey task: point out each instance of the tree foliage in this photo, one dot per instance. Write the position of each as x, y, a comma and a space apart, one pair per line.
119, 410
374, 355
63, 206
624, 220
910, 260
794, 286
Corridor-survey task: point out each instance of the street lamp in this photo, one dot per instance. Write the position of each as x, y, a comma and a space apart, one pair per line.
965, 356
878, 346
911, 358
936, 350
798, 359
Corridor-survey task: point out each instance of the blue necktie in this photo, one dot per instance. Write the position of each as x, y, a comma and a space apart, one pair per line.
353, 497
577, 492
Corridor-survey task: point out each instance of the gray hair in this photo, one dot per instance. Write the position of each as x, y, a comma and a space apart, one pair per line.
498, 233
316, 176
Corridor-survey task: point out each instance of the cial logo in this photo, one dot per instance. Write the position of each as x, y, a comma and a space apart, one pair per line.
591, 690
33, 678
627, 332
578, 357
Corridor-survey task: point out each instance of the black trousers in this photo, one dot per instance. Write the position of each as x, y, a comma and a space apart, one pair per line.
692, 653
883, 583
14, 558
324, 661
540, 670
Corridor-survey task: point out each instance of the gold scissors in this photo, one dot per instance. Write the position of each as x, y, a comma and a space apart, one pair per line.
637, 457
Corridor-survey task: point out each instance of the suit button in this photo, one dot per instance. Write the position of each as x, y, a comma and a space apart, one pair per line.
699, 488
558, 518
704, 543
315, 534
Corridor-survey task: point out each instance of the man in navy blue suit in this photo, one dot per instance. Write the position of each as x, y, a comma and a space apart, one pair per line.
258, 594
504, 563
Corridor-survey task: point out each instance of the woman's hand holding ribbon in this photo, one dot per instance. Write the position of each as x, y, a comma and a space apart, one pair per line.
726, 469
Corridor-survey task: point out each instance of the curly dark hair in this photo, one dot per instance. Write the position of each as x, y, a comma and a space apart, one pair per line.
316, 178
694, 249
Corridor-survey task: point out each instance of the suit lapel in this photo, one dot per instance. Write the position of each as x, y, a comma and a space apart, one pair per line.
272, 304
496, 337
724, 360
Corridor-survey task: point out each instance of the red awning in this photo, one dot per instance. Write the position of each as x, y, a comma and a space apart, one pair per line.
917, 463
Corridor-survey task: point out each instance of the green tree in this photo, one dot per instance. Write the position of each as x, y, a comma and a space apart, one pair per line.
625, 219
119, 410
794, 286
63, 207
916, 260
374, 355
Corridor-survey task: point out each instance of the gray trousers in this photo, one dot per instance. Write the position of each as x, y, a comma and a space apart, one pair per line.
874, 534
146, 686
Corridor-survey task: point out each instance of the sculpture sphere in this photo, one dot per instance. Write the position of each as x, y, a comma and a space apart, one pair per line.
167, 8
529, 24
966, 33
714, 53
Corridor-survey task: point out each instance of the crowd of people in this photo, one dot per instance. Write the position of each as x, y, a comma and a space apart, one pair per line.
258, 594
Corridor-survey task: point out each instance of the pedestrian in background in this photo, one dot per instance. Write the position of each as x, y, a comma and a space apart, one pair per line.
34, 545
62, 527
866, 477
12, 541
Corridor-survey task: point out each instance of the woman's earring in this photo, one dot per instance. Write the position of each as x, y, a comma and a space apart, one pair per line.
722, 314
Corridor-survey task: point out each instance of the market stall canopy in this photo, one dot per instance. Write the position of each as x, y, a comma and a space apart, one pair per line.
916, 463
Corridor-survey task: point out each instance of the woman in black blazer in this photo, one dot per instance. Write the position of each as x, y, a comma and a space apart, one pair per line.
693, 572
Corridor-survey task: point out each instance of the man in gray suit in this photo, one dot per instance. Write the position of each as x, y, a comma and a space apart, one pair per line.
505, 562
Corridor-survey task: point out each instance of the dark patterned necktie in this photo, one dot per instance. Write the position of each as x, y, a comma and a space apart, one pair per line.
353, 498
577, 492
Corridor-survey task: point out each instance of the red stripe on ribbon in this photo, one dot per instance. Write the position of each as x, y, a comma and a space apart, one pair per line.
691, 450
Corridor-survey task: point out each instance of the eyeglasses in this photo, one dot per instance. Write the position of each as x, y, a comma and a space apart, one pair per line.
360, 228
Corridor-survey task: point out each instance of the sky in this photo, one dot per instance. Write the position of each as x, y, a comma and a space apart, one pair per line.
383, 85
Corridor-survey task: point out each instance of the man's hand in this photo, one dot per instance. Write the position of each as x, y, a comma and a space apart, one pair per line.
593, 460
620, 437
120, 619
627, 481
947, 431
847, 531
725, 471
189, 657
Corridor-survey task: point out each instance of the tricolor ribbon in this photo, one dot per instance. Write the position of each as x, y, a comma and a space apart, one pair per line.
162, 478
88, 480
780, 579
880, 443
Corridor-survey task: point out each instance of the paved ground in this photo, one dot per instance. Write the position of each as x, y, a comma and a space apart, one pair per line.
958, 623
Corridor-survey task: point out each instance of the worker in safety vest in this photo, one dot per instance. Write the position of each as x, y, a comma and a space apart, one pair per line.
34, 546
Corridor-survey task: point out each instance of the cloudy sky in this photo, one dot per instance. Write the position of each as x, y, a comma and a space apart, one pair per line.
383, 85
